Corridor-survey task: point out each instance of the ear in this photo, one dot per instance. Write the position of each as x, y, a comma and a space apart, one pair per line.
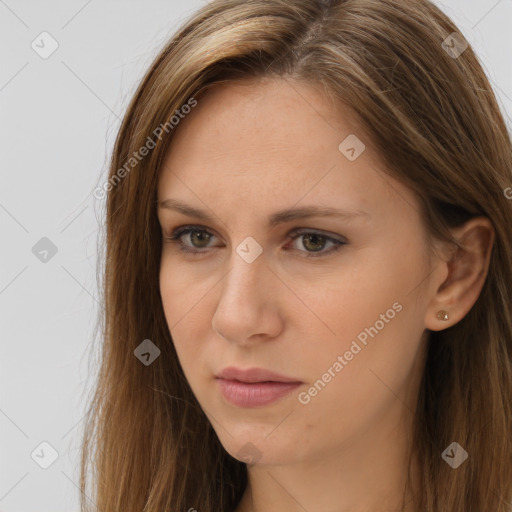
465, 270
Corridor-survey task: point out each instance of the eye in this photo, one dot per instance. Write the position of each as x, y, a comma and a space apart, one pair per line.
315, 242
194, 234
198, 238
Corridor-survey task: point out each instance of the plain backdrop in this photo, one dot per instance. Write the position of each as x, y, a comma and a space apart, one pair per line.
58, 120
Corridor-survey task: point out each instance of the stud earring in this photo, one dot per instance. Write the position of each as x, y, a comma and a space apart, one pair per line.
442, 315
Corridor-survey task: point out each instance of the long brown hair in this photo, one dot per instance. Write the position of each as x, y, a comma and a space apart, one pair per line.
433, 117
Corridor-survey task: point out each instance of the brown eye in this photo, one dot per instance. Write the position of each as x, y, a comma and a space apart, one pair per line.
313, 242
199, 238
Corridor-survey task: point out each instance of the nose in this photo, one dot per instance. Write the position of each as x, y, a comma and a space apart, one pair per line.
249, 304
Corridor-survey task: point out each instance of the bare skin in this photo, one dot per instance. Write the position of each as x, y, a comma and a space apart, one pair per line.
245, 152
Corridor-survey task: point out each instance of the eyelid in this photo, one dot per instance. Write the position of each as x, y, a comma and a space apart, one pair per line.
292, 235
321, 232
176, 232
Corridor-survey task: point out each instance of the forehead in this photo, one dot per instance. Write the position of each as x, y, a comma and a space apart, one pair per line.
266, 115
272, 142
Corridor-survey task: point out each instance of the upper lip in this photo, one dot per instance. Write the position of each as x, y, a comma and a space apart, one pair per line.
253, 375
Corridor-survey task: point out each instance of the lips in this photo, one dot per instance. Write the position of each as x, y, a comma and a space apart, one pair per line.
252, 375
254, 387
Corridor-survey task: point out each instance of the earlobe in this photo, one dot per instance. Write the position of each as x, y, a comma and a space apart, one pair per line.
466, 273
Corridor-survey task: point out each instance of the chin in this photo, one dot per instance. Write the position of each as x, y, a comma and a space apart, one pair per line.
253, 445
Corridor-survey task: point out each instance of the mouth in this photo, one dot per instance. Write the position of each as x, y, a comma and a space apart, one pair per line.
254, 387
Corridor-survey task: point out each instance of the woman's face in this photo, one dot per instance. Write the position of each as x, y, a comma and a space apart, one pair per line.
339, 308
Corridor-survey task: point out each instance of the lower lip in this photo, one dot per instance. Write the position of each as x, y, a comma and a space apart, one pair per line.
244, 394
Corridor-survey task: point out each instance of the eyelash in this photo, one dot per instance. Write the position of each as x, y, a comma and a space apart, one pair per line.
184, 230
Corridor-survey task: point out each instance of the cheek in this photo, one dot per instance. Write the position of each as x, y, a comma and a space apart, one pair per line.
369, 387
378, 329
341, 304
181, 291
183, 304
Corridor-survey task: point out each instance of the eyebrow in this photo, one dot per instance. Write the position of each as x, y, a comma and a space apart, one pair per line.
274, 219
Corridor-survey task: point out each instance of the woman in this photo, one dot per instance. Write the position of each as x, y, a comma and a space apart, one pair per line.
308, 270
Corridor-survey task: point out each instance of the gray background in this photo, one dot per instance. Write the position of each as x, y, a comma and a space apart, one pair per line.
58, 120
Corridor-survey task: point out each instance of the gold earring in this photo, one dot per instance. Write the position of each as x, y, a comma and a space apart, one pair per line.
442, 315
